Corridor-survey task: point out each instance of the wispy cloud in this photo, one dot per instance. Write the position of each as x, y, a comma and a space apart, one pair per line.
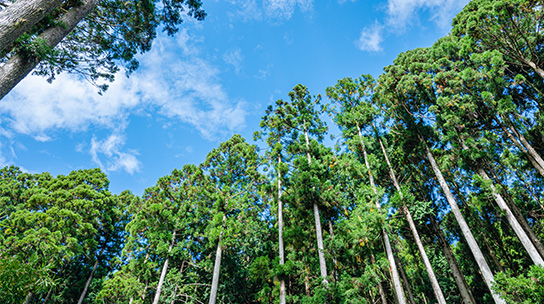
117, 158
247, 10
174, 80
234, 57
402, 14
371, 38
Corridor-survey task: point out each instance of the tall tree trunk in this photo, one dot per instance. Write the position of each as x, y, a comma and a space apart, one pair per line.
334, 261
318, 230
405, 280
84, 292
17, 67
20, 16
380, 285
522, 144
393, 266
520, 218
430, 272
28, 297
280, 232
164, 270
522, 236
533, 65
471, 241
458, 276
88, 283
217, 267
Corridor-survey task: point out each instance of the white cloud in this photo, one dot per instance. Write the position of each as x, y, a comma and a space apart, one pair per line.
116, 159
173, 80
247, 10
37, 108
234, 57
371, 38
401, 13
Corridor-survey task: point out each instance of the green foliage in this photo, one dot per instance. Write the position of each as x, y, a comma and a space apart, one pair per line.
526, 288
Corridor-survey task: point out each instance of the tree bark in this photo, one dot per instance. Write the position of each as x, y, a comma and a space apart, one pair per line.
84, 292
521, 219
17, 67
217, 268
430, 272
393, 266
405, 280
380, 285
523, 145
164, 270
318, 231
518, 230
280, 236
522, 236
20, 16
458, 276
467, 233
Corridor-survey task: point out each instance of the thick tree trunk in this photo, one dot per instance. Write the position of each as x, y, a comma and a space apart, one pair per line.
164, 270
280, 232
20, 16
217, 268
393, 266
318, 231
458, 276
405, 280
17, 67
467, 233
434, 282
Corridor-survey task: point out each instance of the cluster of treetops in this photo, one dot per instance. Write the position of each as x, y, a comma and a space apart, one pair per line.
433, 194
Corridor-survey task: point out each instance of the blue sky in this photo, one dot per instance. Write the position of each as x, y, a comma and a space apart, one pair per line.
213, 79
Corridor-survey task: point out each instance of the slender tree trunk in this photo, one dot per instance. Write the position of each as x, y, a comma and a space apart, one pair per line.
458, 276
432, 277
393, 266
217, 268
84, 292
280, 232
334, 261
28, 297
405, 280
318, 230
380, 285
533, 65
17, 67
522, 236
20, 16
164, 270
523, 145
467, 233
520, 218
145, 289
88, 283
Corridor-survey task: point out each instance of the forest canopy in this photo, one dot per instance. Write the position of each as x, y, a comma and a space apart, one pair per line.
433, 193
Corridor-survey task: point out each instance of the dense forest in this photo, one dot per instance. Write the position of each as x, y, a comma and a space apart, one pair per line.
432, 193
